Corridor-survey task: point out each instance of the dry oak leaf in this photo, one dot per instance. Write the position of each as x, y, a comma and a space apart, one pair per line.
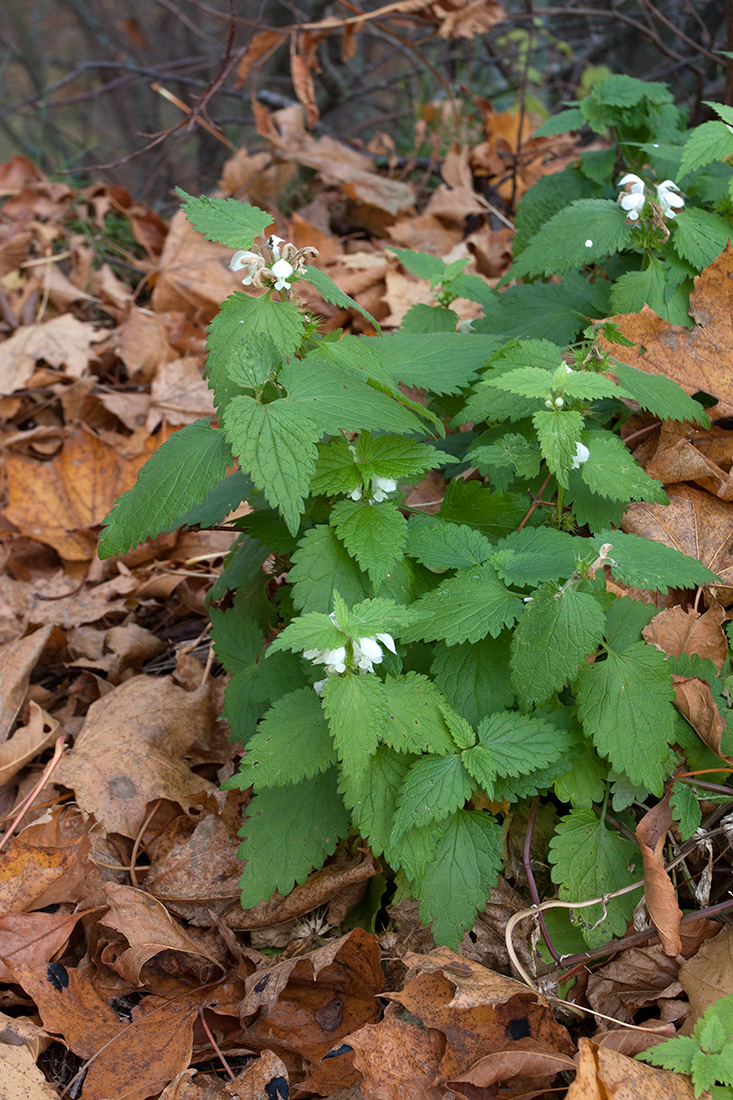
682, 630
148, 928
709, 975
694, 699
17, 661
605, 1074
699, 359
27, 742
694, 522
59, 501
142, 343
130, 749
475, 1008
397, 1060
661, 898
179, 393
60, 342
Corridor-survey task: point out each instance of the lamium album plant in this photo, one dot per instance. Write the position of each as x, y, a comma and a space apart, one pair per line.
410, 679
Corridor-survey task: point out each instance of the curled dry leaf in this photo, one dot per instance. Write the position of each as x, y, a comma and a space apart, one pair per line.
694, 699
605, 1074
659, 892
635, 979
682, 630
27, 742
17, 659
33, 938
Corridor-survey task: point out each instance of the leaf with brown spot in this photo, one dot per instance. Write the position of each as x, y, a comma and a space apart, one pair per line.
661, 899
605, 1074
694, 699
129, 751
699, 359
678, 630
27, 742
17, 659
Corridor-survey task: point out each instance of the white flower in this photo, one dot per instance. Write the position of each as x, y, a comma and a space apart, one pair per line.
318, 686
355, 494
388, 640
589, 243
669, 199
368, 651
559, 402
333, 659
282, 271
632, 199
582, 454
249, 260
382, 487
273, 243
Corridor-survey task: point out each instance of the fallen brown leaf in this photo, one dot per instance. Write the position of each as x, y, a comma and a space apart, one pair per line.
61, 342
605, 1074
17, 660
694, 699
33, 938
637, 978
397, 1060
678, 630
659, 892
709, 975
27, 742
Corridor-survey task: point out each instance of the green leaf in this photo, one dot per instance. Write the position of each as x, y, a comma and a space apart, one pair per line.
243, 568
535, 554
356, 708
331, 292
643, 563
544, 199
371, 616
510, 454
373, 534
321, 565
560, 244
706, 143
440, 362
494, 514
699, 236
520, 743
585, 782
468, 857
289, 831
464, 608
625, 705
442, 545
237, 639
313, 630
225, 497
659, 395
625, 618
233, 223
292, 743
543, 309
240, 318
555, 634
475, 678
253, 362
675, 1054
589, 509
591, 861
372, 795
651, 286
559, 433
686, 809
176, 476
334, 399
561, 123
422, 319
396, 457
525, 381
415, 720
276, 444
613, 472
421, 264
434, 787
480, 765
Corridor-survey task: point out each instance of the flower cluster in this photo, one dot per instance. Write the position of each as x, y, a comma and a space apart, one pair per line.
356, 653
285, 262
381, 488
633, 197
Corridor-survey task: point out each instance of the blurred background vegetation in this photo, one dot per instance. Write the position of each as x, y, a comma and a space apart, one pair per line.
152, 93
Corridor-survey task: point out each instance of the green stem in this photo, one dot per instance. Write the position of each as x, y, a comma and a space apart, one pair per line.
560, 500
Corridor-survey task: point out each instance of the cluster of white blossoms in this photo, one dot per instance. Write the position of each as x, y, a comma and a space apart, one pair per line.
633, 197
286, 262
358, 653
381, 489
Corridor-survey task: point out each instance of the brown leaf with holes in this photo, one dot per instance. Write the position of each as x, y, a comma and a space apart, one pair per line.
694, 699
699, 359
129, 752
17, 659
659, 892
74, 492
682, 630
605, 1074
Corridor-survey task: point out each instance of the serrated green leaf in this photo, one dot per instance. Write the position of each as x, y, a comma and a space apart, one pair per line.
480, 765
535, 554
585, 782
421, 264
625, 618
538, 781
643, 563
652, 287
550, 194
292, 743
699, 236
336, 400
591, 861
321, 565
415, 720
494, 514
372, 794
559, 433
463, 734
686, 809
356, 708
561, 123
396, 457
519, 743
510, 454
333, 293
526, 382
543, 309
434, 787
468, 857
423, 319
706, 143
560, 244
625, 705
659, 395
237, 639
442, 545
313, 630
613, 472
373, 534
225, 497
440, 362
464, 608
415, 849
243, 570
240, 317
589, 509
336, 469
176, 476
372, 616
289, 831
555, 634
675, 1054
233, 223
276, 444
475, 678
253, 361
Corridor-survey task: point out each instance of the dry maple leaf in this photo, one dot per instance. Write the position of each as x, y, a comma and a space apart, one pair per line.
699, 359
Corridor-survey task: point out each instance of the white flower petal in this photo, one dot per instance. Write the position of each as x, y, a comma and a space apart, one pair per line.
318, 686
314, 655
243, 258
274, 245
388, 641
355, 494
637, 184
633, 202
371, 649
282, 269
582, 454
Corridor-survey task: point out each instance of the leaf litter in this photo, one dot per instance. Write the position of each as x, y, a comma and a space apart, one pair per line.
127, 965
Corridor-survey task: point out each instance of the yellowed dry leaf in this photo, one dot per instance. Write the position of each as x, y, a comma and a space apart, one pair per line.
397, 1060
22, 1079
179, 393
605, 1074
